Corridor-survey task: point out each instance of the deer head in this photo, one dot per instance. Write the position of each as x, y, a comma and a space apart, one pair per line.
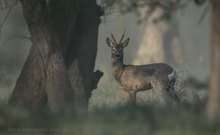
117, 47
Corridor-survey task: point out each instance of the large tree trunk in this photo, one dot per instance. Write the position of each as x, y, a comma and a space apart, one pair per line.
213, 102
59, 69
81, 59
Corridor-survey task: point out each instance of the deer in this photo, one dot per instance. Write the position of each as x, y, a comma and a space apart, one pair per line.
160, 77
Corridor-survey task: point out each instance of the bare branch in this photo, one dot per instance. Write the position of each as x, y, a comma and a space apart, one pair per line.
95, 78
7, 3
15, 37
4, 20
204, 13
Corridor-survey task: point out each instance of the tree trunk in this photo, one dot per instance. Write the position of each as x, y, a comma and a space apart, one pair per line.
59, 69
213, 102
81, 60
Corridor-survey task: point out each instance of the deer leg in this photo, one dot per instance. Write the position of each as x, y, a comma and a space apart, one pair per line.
166, 96
161, 88
170, 89
132, 98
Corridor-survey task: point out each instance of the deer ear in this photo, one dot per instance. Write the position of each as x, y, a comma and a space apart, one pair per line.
109, 42
125, 43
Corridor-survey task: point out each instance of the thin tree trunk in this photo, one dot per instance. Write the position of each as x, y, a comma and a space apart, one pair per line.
213, 102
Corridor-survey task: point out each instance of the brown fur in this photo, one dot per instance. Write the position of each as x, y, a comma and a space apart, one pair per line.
135, 78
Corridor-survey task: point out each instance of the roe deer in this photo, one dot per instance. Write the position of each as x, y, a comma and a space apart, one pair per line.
134, 78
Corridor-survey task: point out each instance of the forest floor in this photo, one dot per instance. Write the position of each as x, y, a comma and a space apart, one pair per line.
108, 114
124, 120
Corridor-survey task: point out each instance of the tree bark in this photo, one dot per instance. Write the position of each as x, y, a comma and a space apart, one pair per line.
80, 59
59, 69
213, 102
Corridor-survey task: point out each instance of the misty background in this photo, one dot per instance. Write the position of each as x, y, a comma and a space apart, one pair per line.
149, 42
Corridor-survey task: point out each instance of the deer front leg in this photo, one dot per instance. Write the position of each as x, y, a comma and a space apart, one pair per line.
132, 97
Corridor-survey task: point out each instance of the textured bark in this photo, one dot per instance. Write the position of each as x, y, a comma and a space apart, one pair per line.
81, 60
30, 93
59, 68
213, 102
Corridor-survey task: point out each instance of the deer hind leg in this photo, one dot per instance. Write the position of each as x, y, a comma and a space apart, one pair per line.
164, 94
171, 90
161, 88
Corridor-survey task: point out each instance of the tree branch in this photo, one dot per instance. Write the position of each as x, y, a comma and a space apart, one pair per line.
14, 37
6, 17
96, 77
7, 3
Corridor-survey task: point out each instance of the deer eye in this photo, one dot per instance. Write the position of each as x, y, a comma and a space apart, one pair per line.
113, 50
121, 50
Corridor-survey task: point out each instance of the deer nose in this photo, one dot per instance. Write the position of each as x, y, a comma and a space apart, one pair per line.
117, 55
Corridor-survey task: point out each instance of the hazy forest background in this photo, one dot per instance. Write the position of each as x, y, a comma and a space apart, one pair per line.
185, 37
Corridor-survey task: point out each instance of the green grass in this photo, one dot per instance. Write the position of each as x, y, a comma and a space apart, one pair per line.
123, 120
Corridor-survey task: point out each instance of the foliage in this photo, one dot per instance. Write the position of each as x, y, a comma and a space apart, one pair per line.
168, 6
132, 5
200, 2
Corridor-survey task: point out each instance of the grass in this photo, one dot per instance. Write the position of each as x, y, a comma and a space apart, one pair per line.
123, 120
108, 114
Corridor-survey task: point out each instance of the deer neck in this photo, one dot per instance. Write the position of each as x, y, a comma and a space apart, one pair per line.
117, 68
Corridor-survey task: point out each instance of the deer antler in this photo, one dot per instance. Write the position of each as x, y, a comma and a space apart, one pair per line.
113, 38
122, 37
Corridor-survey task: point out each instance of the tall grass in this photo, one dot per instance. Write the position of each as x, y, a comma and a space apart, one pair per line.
123, 120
